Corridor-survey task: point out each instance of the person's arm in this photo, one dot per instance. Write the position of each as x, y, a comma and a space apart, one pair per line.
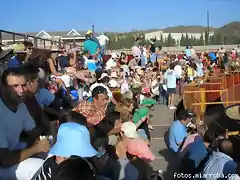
180, 138
53, 69
8, 158
141, 121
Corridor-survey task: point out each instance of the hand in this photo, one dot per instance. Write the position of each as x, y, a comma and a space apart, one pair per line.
42, 145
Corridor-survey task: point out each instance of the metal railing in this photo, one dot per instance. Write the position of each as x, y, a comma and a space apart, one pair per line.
38, 42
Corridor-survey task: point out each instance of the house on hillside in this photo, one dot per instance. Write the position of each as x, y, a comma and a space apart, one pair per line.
71, 37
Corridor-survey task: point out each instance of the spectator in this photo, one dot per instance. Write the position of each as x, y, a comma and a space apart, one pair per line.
94, 111
90, 45
68, 134
171, 79
15, 156
220, 163
178, 131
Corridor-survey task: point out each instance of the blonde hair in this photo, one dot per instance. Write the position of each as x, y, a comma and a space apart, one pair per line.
201, 129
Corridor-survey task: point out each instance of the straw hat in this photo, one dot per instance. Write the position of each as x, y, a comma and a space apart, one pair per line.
233, 111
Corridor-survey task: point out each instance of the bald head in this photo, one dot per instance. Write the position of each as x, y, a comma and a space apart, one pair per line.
225, 146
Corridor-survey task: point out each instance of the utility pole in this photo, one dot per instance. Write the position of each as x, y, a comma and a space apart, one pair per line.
208, 25
93, 29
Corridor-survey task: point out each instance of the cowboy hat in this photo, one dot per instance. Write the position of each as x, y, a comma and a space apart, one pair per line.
233, 111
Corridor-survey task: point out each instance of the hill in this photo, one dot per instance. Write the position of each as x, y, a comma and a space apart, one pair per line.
187, 29
229, 33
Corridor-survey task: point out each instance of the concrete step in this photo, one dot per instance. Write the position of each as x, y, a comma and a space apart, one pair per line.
159, 131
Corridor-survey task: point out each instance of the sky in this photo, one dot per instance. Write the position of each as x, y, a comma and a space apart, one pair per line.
113, 15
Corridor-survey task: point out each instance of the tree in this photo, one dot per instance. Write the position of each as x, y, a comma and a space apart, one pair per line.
161, 40
187, 40
201, 40
206, 37
170, 41
182, 40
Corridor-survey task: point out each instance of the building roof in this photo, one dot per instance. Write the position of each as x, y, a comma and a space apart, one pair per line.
63, 34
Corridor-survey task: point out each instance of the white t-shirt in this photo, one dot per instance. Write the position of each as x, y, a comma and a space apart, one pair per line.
110, 64
102, 40
103, 85
178, 71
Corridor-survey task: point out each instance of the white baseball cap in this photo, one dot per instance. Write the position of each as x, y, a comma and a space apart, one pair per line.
130, 130
113, 83
103, 76
114, 55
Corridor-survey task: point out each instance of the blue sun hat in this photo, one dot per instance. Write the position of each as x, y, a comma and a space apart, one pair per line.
73, 139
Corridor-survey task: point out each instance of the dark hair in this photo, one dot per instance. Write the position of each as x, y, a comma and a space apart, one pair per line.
171, 66
28, 44
73, 116
98, 73
209, 136
112, 117
225, 146
74, 169
105, 80
183, 115
31, 72
11, 72
98, 90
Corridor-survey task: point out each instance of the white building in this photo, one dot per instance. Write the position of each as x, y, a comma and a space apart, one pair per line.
177, 36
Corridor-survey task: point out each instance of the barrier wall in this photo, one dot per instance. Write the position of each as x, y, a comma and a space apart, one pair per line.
225, 87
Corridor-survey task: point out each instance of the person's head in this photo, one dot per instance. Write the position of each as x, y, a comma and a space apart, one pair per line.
201, 130
129, 130
225, 146
104, 78
74, 168
184, 118
209, 137
171, 66
113, 85
28, 47
32, 77
100, 96
128, 103
13, 85
73, 116
86, 53
68, 134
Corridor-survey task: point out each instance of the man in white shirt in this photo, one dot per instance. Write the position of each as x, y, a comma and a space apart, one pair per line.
111, 63
178, 71
103, 40
16, 160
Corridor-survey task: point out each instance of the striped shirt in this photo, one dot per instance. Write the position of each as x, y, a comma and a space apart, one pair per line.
47, 169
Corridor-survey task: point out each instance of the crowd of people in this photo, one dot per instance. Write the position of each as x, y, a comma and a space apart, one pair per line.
73, 116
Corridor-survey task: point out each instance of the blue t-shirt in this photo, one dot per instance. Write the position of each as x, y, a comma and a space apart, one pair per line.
44, 97
13, 63
90, 46
171, 78
197, 151
177, 134
12, 124
212, 56
188, 52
